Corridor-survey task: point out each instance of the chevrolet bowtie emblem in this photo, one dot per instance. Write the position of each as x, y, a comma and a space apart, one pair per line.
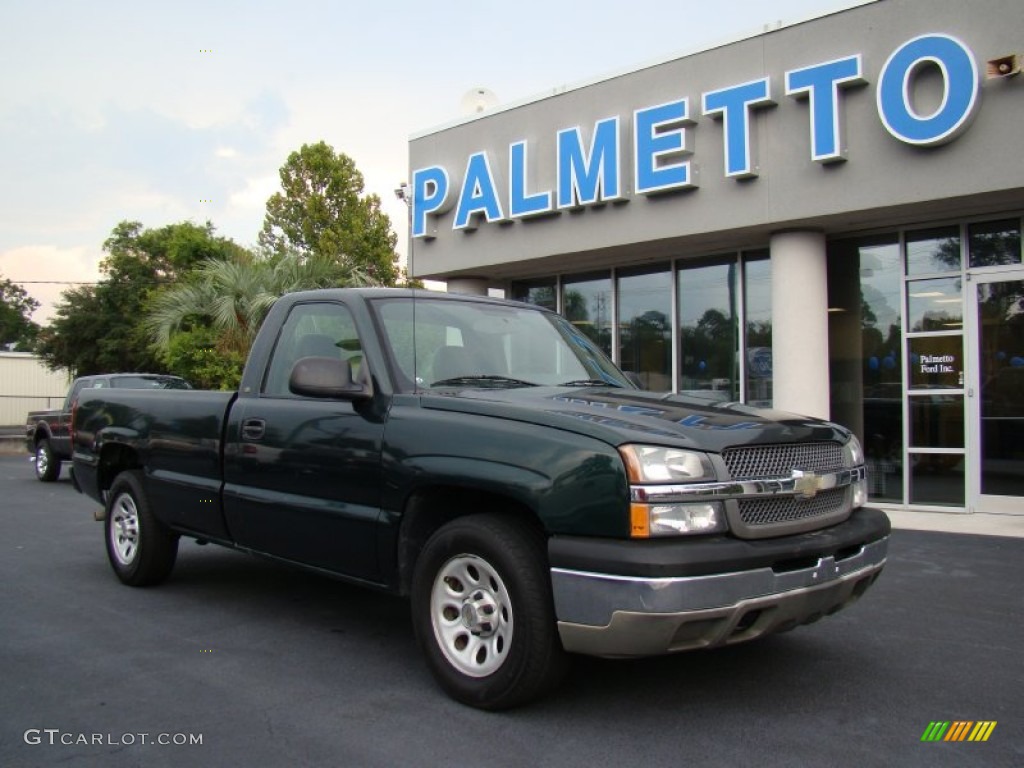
806, 484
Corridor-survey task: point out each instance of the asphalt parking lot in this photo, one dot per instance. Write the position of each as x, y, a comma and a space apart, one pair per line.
273, 667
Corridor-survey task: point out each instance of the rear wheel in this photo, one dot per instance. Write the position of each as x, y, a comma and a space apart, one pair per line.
483, 614
47, 462
141, 549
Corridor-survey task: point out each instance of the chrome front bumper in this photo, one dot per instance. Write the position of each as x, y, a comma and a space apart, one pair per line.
622, 616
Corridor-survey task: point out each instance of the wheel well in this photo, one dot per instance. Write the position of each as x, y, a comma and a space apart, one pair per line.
115, 459
41, 433
429, 509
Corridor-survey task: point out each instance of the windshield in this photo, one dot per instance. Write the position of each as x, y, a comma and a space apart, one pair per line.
478, 344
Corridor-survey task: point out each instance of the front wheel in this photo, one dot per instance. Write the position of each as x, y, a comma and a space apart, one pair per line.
483, 614
141, 549
47, 462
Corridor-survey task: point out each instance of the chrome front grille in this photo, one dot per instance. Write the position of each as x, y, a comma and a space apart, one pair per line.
752, 462
785, 513
784, 509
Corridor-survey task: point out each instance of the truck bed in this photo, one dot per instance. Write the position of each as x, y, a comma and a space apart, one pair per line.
177, 436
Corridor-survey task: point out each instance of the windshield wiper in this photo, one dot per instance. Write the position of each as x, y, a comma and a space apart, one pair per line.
591, 383
482, 379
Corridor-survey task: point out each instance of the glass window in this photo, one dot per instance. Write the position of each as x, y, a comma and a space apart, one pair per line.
757, 294
993, 243
1001, 353
934, 305
312, 330
540, 292
587, 304
708, 330
481, 345
936, 362
933, 250
645, 327
936, 421
937, 478
864, 281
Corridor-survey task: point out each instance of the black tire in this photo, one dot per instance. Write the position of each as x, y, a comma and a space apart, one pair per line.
47, 462
141, 549
483, 614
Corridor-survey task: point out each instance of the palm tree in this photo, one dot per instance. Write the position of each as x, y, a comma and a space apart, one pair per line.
232, 297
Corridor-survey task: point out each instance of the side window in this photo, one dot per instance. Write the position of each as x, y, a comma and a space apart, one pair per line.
313, 330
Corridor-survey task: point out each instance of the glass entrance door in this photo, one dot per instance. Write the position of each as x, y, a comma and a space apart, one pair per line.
996, 394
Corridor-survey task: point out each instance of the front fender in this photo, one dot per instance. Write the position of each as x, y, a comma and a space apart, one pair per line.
575, 484
521, 484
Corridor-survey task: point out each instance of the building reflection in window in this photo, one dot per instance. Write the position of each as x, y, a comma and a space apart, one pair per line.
935, 305
864, 280
757, 295
542, 292
931, 251
587, 304
1001, 354
994, 243
645, 326
709, 330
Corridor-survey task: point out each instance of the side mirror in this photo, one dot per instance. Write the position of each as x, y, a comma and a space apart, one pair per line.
325, 377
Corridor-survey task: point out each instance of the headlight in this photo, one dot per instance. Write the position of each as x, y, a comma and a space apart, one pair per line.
647, 520
853, 454
655, 464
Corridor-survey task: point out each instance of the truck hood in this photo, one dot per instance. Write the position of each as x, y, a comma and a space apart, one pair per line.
618, 416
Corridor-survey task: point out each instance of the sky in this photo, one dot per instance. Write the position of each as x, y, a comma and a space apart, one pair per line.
162, 112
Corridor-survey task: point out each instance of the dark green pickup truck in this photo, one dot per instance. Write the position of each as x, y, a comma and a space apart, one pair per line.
483, 458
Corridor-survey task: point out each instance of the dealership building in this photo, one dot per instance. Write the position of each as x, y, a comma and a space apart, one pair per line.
824, 217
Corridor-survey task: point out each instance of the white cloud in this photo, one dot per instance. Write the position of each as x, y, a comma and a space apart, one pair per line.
253, 196
46, 271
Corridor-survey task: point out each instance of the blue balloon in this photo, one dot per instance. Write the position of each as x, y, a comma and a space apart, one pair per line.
889, 362
1017, 362
702, 366
1000, 356
873, 363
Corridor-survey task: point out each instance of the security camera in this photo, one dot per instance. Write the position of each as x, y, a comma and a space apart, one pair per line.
1003, 66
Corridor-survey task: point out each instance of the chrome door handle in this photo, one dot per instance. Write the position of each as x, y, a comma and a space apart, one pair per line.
253, 429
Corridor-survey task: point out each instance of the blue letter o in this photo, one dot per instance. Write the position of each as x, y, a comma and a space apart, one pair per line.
960, 99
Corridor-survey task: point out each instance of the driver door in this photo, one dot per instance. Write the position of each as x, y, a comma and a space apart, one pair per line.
303, 474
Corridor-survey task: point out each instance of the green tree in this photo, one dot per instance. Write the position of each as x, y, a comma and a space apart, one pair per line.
161, 255
99, 329
198, 355
70, 340
16, 308
321, 212
203, 326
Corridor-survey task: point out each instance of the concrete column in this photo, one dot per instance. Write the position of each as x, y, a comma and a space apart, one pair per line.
800, 323
476, 286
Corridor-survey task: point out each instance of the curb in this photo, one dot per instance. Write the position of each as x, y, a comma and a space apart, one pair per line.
11, 445
977, 523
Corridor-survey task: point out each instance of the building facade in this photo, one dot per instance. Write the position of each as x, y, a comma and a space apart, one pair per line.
824, 218
26, 384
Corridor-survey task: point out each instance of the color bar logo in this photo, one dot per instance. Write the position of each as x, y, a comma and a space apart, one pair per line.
958, 730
